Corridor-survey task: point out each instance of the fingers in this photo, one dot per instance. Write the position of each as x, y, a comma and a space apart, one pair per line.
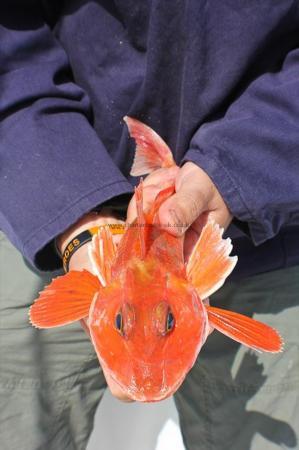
194, 190
221, 216
196, 200
181, 210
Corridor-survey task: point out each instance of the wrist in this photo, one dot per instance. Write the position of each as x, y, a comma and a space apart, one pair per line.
71, 243
89, 220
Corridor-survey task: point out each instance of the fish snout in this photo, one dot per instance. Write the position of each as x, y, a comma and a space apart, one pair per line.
149, 382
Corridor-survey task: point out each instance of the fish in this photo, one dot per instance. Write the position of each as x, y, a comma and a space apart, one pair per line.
147, 307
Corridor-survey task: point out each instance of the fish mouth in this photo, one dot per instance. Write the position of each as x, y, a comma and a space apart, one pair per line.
148, 382
148, 391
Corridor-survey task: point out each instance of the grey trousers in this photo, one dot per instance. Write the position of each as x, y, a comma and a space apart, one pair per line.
233, 398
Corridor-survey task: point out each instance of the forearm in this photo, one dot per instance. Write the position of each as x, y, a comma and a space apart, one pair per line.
251, 153
54, 167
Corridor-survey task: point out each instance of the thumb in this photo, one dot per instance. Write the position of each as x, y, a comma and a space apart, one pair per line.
196, 200
178, 212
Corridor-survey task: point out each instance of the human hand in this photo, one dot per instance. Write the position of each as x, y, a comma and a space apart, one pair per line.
195, 201
80, 260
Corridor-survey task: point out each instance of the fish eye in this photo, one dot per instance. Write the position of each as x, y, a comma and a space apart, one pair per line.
119, 322
163, 318
125, 319
169, 321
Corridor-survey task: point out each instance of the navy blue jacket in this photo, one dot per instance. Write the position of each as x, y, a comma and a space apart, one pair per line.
217, 79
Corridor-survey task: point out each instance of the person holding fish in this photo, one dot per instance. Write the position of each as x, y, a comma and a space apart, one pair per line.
217, 81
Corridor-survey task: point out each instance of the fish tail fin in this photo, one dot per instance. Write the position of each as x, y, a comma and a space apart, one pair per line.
151, 151
243, 329
66, 299
209, 263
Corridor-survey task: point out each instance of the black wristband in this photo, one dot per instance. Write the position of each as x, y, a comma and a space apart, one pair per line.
83, 238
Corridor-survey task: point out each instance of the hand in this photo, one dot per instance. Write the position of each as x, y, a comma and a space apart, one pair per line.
195, 201
80, 260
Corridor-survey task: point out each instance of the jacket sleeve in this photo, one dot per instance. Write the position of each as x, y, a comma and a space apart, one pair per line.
53, 166
252, 153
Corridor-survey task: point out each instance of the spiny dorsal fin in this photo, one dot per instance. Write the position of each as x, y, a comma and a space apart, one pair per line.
161, 197
141, 220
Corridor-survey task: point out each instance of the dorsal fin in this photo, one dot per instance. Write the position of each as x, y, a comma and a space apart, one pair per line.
141, 220
165, 247
141, 233
161, 197
134, 242
151, 151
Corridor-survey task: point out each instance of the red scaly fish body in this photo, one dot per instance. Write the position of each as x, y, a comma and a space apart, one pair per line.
164, 324
147, 312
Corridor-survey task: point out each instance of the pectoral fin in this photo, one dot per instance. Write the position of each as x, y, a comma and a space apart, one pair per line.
66, 299
209, 263
102, 253
245, 330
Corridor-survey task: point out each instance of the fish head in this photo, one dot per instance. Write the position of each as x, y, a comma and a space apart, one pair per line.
147, 329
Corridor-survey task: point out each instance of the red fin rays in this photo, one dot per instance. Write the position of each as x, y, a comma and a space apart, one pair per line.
140, 221
151, 151
102, 253
210, 264
66, 299
138, 238
245, 330
134, 243
160, 198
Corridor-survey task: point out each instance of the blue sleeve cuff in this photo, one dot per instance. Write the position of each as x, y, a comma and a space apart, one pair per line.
39, 248
258, 230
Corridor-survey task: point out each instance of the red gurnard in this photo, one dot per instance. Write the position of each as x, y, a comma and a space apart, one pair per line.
147, 312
